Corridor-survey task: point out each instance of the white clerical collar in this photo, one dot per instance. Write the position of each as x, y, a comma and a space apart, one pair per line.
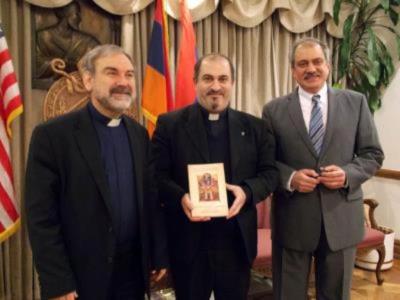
213, 117
114, 122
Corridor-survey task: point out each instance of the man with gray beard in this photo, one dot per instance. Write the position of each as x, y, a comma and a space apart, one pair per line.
94, 224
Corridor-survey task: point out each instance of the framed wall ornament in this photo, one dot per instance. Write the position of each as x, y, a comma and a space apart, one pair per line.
68, 32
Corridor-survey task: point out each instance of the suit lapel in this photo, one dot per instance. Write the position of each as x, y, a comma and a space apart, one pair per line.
238, 132
332, 116
86, 138
194, 126
296, 115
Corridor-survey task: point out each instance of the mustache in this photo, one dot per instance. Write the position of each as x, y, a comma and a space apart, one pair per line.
120, 89
215, 92
310, 75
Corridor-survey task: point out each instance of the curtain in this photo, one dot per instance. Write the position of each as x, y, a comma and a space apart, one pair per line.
295, 15
259, 53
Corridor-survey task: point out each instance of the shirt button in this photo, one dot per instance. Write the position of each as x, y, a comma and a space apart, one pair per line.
110, 229
110, 259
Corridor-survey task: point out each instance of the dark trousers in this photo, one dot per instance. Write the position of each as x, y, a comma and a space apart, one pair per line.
226, 273
333, 271
127, 279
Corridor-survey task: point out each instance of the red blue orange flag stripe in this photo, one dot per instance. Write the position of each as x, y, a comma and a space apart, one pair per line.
157, 93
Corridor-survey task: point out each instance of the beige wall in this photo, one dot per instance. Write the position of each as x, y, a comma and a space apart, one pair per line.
387, 191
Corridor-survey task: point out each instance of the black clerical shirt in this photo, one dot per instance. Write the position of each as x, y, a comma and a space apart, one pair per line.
220, 233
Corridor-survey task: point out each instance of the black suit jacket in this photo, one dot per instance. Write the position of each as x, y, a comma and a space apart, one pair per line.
69, 211
180, 139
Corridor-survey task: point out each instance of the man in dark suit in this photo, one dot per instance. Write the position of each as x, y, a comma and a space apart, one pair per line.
213, 254
92, 208
326, 147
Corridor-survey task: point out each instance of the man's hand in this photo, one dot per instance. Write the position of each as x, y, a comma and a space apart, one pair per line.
157, 275
333, 177
187, 208
238, 202
304, 180
70, 296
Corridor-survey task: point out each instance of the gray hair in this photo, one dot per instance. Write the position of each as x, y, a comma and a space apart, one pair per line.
309, 41
87, 62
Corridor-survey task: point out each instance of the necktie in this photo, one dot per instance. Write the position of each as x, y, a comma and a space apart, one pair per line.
316, 129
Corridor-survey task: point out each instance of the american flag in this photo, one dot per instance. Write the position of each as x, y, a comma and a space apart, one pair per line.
10, 108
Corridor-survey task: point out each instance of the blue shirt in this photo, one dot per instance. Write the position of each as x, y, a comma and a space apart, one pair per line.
116, 154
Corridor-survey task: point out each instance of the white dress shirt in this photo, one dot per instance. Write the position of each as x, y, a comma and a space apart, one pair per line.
307, 105
306, 108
